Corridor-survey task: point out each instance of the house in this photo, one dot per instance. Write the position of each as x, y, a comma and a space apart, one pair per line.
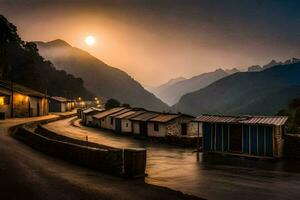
112, 125
252, 136
20, 101
170, 125
60, 104
87, 115
123, 122
102, 120
139, 122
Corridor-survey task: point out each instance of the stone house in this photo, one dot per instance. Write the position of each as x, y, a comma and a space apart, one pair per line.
171, 125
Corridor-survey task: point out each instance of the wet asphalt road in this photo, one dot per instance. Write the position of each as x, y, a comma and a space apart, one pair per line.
211, 177
28, 174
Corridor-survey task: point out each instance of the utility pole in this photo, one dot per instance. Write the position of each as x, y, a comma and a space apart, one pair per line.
12, 91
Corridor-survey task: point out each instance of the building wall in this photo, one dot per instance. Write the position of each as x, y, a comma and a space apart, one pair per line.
63, 107
108, 123
5, 108
173, 128
162, 131
21, 105
193, 129
136, 127
126, 126
89, 120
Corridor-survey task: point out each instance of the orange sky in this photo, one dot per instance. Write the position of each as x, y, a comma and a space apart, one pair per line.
151, 43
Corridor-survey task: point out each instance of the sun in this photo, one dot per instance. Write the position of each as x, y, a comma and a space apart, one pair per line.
90, 40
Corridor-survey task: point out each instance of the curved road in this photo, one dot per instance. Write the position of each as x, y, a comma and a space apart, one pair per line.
28, 174
209, 177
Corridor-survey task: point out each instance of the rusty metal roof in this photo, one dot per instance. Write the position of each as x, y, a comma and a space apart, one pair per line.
120, 112
108, 112
164, 118
144, 116
263, 120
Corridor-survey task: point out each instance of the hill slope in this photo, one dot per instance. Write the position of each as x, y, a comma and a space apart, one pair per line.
263, 92
174, 92
20, 61
103, 80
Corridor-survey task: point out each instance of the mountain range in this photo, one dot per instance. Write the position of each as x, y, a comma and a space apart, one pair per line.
257, 93
173, 90
103, 80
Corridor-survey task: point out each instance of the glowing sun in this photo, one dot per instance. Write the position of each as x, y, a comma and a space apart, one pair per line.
90, 40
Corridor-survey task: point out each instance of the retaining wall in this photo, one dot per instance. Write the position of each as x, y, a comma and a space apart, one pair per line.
121, 162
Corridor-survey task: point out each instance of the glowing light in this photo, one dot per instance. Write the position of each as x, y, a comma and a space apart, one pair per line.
90, 40
1, 101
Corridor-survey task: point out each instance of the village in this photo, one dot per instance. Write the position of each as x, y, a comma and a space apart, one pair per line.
133, 130
250, 136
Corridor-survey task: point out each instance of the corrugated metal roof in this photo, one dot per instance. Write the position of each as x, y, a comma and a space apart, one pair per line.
137, 113
127, 114
89, 110
164, 118
264, 120
21, 89
120, 112
144, 116
108, 112
59, 99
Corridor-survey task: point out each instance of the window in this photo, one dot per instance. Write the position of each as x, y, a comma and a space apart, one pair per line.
4, 100
156, 128
126, 124
111, 121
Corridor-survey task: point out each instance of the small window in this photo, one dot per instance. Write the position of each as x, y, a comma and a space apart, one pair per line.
4, 100
111, 121
126, 124
156, 128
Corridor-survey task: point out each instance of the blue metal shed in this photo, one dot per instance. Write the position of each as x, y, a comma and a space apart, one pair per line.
255, 136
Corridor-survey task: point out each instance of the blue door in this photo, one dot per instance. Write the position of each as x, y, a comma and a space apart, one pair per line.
219, 137
118, 125
207, 136
246, 139
225, 137
261, 140
269, 141
253, 137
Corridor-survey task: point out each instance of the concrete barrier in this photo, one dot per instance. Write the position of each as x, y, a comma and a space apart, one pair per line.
122, 162
134, 162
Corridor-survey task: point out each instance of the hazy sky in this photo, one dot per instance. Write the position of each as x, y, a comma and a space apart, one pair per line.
155, 40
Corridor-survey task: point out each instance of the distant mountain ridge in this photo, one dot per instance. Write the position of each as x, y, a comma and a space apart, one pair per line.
31, 69
158, 89
173, 92
100, 78
264, 92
